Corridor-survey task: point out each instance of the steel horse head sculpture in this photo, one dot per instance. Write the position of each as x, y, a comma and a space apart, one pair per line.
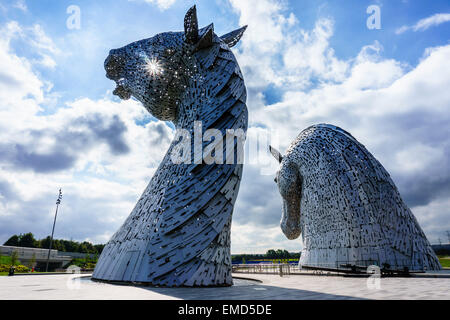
346, 206
178, 234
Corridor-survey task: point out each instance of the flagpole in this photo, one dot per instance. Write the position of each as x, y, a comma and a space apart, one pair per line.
58, 202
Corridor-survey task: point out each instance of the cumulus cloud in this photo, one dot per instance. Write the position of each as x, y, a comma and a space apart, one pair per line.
426, 23
276, 51
20, 4
49, 150
248, 238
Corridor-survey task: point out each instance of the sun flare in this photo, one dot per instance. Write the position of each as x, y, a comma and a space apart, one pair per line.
153, 67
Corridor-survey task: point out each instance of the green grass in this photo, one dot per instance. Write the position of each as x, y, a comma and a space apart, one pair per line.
4, 274
5, 260
445, 262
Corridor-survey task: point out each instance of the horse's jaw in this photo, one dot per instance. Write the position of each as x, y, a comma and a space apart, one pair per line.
290, 221
290, 187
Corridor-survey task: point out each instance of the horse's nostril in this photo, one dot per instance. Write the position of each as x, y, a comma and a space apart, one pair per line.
114, 65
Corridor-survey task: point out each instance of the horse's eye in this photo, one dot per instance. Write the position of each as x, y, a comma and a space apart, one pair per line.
276, 180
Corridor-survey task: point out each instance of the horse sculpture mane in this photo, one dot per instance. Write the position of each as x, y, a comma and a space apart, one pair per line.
178, 234
346, 206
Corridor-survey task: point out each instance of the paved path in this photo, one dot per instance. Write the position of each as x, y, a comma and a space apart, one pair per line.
319, 287
273, 287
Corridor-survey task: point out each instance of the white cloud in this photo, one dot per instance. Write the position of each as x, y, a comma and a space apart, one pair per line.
275, 50
33, 37
426, 23
161, 4
250, 239
18, 80
21, 5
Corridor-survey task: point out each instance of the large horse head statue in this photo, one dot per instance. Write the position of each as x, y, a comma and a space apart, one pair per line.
346, 207
178, 234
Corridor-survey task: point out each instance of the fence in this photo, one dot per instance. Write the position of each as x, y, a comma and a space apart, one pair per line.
282, 269
285, 269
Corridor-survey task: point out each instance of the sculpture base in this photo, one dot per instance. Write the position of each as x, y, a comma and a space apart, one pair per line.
149, 284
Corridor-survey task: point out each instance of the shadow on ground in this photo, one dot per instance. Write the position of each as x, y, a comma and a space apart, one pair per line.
245, 290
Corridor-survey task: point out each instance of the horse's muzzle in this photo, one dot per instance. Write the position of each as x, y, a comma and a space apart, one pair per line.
114, 66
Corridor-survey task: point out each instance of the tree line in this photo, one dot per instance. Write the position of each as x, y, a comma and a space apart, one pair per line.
269, 255
28, 240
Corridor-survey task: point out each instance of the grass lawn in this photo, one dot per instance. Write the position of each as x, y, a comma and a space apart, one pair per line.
5, 260
445, 262
4, 274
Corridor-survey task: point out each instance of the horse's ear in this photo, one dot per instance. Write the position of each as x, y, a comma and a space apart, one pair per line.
232, 38
191, 25
276, 154
206, 39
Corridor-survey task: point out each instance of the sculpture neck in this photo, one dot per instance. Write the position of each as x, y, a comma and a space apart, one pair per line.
194, 100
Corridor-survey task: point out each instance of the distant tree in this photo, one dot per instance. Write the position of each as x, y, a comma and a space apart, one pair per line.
294, 255
82, 248
70, 246
45, 243
76, 247
59, 245
89, 247
279, 254
99, 248
13, 241
271, 254
27, 240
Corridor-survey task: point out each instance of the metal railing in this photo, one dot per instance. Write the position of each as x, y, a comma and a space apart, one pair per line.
345, 267
282, 269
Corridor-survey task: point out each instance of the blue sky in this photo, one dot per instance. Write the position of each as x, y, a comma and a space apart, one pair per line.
304, 62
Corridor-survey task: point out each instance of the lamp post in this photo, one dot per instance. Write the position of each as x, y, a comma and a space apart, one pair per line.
58, 202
